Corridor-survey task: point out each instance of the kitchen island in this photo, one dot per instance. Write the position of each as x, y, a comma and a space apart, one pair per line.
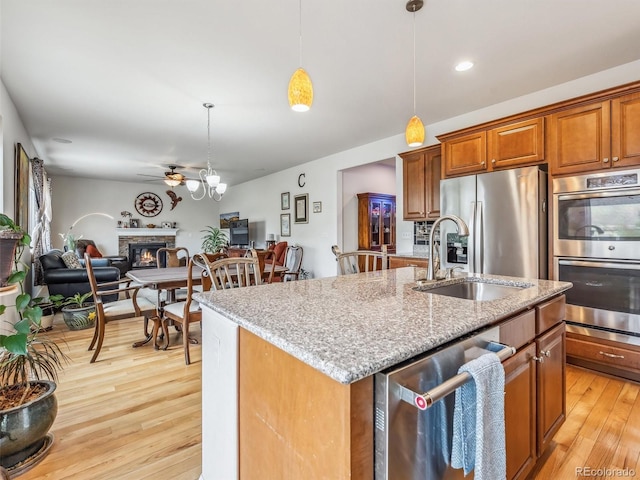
288, 369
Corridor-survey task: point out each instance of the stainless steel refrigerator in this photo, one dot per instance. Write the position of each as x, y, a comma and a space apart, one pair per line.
506, 212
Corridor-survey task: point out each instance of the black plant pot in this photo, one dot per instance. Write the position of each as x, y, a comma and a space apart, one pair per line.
8, 243
23, 429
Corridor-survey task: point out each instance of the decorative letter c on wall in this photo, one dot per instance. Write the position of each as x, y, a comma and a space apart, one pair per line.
301, 182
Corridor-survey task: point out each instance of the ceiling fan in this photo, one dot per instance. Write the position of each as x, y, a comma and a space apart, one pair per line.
171, 178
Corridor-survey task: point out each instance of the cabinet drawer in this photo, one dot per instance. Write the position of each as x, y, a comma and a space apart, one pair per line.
399, 262
549, 314
519, 330
619, 357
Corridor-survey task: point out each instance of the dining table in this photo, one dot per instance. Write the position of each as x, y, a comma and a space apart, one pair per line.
167, 279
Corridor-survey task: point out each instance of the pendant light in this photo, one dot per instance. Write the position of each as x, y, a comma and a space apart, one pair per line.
414, 132
209, 178
300, 87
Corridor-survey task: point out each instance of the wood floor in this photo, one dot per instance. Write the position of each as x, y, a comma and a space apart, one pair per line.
135, 414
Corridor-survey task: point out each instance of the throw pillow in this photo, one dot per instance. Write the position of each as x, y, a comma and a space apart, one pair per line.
93, 252
71, 260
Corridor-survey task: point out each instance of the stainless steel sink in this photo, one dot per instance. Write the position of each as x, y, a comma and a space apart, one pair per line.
473, 290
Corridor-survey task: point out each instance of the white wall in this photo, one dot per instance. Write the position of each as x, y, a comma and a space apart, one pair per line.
74, 197
374, 177
12, 132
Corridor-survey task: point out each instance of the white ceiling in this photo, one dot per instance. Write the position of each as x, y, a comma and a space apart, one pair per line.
125, 80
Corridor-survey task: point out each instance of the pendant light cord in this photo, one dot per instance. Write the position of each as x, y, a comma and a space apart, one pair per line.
209, 138
300, 29
414, 60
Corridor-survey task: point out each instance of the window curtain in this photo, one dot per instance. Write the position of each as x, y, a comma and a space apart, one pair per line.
41, 234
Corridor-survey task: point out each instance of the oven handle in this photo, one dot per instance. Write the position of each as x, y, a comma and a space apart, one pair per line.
583, 263
425, 400
599, 194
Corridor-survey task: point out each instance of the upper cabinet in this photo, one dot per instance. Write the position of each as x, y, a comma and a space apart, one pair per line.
597, 136
421, 183
516, 144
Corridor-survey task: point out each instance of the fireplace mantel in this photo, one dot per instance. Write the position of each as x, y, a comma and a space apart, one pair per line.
146, 232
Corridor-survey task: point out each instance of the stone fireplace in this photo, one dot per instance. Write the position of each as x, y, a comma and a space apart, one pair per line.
139, 245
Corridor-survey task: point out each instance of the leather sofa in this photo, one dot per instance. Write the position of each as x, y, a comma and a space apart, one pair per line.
65, 281
119, 261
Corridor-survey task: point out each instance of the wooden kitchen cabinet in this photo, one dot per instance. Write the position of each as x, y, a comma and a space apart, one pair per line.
508, 146
520, 412
595, 137
376, 221
421, 183
551, 385
400, 262
465, 155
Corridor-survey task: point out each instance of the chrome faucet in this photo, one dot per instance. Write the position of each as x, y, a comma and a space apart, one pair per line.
463, 231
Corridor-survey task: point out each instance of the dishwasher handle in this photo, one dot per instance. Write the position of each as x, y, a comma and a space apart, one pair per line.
425, 400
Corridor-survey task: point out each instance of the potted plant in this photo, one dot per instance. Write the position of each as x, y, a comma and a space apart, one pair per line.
28, 370
77, 313
49, 306
213, 240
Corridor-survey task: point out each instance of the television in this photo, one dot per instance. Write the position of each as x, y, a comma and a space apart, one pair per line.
239, 232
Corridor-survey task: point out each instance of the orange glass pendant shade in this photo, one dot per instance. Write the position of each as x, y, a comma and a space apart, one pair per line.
414, 132
300, 91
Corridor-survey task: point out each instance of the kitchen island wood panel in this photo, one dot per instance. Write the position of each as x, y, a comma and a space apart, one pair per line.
298, 423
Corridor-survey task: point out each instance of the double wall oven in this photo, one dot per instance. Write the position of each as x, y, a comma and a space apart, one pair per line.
596, 246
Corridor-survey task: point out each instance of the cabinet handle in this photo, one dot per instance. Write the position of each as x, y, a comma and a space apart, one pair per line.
546, 353
611, 355
605, 160
493, 161
538, 359
483, 163
615, 159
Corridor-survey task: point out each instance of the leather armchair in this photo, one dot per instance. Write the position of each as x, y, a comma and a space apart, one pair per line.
68, 281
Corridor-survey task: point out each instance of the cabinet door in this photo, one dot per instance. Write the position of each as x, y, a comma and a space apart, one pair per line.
579, 139
387, 229
414, 182
375, 222
625, 131
464, 155
520, 412
551, 385
434, 169
518, 144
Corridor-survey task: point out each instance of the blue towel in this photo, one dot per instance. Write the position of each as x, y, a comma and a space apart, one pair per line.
478, 420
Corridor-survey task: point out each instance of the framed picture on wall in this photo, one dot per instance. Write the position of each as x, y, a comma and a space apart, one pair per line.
284, 201
134, 223
285, 224
317, 207
301, 203
22, 188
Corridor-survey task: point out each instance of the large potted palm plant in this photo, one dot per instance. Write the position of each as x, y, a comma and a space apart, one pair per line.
29, 366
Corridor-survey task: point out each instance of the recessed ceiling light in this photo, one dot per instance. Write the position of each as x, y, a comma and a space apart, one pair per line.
61, 140
462, 66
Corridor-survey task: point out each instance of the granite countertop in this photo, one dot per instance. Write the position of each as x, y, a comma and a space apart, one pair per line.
352, 326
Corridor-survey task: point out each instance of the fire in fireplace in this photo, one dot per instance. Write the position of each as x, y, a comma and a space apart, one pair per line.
143, 255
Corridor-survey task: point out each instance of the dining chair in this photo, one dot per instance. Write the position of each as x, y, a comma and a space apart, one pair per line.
233, 272
170, 257
128, 307
293, 264
362, 261
212, 257
187, 311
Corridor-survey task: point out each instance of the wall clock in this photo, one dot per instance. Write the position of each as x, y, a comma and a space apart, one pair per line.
148, 204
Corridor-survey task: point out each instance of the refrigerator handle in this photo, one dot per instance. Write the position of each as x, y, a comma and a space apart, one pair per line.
471, 246
479, 239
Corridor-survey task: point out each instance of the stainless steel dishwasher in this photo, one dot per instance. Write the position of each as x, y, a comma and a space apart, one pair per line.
414, 409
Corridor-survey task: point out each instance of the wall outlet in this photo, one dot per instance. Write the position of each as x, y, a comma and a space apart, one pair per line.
406, 235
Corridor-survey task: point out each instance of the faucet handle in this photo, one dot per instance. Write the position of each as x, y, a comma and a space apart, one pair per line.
450, 273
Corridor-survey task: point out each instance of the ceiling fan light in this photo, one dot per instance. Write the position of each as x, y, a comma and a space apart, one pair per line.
192, 185
414, 132
171, 182
300, 91
221, 188
213, 180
